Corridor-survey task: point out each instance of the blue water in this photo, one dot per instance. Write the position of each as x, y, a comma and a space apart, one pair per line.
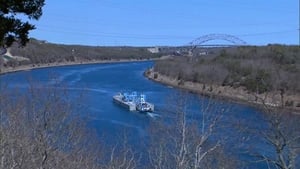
99, 82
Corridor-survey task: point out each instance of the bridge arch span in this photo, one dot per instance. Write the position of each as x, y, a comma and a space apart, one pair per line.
229, 38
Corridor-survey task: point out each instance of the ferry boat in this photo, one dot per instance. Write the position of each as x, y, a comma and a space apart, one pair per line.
133, 102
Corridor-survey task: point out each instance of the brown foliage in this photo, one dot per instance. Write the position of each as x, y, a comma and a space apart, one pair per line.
258, 69
41, 52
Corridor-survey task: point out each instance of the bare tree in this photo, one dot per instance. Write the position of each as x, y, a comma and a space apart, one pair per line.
40, 130
121, 156
282, 135
278, 137
44, 129
187, 141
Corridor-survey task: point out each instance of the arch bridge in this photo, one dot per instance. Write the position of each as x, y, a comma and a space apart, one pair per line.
235, 41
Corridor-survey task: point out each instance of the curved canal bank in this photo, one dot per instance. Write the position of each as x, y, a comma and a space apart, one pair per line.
57, 64
100, 82
239, 95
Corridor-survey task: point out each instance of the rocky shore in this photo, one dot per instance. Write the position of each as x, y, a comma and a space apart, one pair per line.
271, 99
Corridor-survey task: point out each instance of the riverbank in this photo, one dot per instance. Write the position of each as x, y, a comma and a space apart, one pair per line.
5, 70
273, 99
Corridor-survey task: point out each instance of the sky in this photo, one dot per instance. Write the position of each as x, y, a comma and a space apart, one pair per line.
167, 22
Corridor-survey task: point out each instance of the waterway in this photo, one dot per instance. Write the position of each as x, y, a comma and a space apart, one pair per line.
99, 82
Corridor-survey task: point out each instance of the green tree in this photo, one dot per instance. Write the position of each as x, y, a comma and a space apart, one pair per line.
12, 28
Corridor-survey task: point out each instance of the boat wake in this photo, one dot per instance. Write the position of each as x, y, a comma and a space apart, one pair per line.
74, 76
152, 115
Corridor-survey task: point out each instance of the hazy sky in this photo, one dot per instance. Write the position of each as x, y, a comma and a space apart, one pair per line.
167, 22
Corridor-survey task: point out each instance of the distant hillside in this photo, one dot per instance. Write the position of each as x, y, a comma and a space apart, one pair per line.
42, 52
258, 70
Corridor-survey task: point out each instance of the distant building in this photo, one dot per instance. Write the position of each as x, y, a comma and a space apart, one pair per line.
153, 50
202, 53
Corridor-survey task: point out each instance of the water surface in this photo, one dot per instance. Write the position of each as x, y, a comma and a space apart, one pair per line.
99, 82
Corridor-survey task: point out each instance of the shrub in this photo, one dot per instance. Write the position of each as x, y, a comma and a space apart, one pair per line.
289, 103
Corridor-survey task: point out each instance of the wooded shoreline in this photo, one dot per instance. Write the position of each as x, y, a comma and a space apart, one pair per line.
6, 70
220, 92
239, 95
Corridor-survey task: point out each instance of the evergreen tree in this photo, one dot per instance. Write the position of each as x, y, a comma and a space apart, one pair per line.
12, 28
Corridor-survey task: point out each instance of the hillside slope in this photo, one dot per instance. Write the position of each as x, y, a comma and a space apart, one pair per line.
38, 52
269, 73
